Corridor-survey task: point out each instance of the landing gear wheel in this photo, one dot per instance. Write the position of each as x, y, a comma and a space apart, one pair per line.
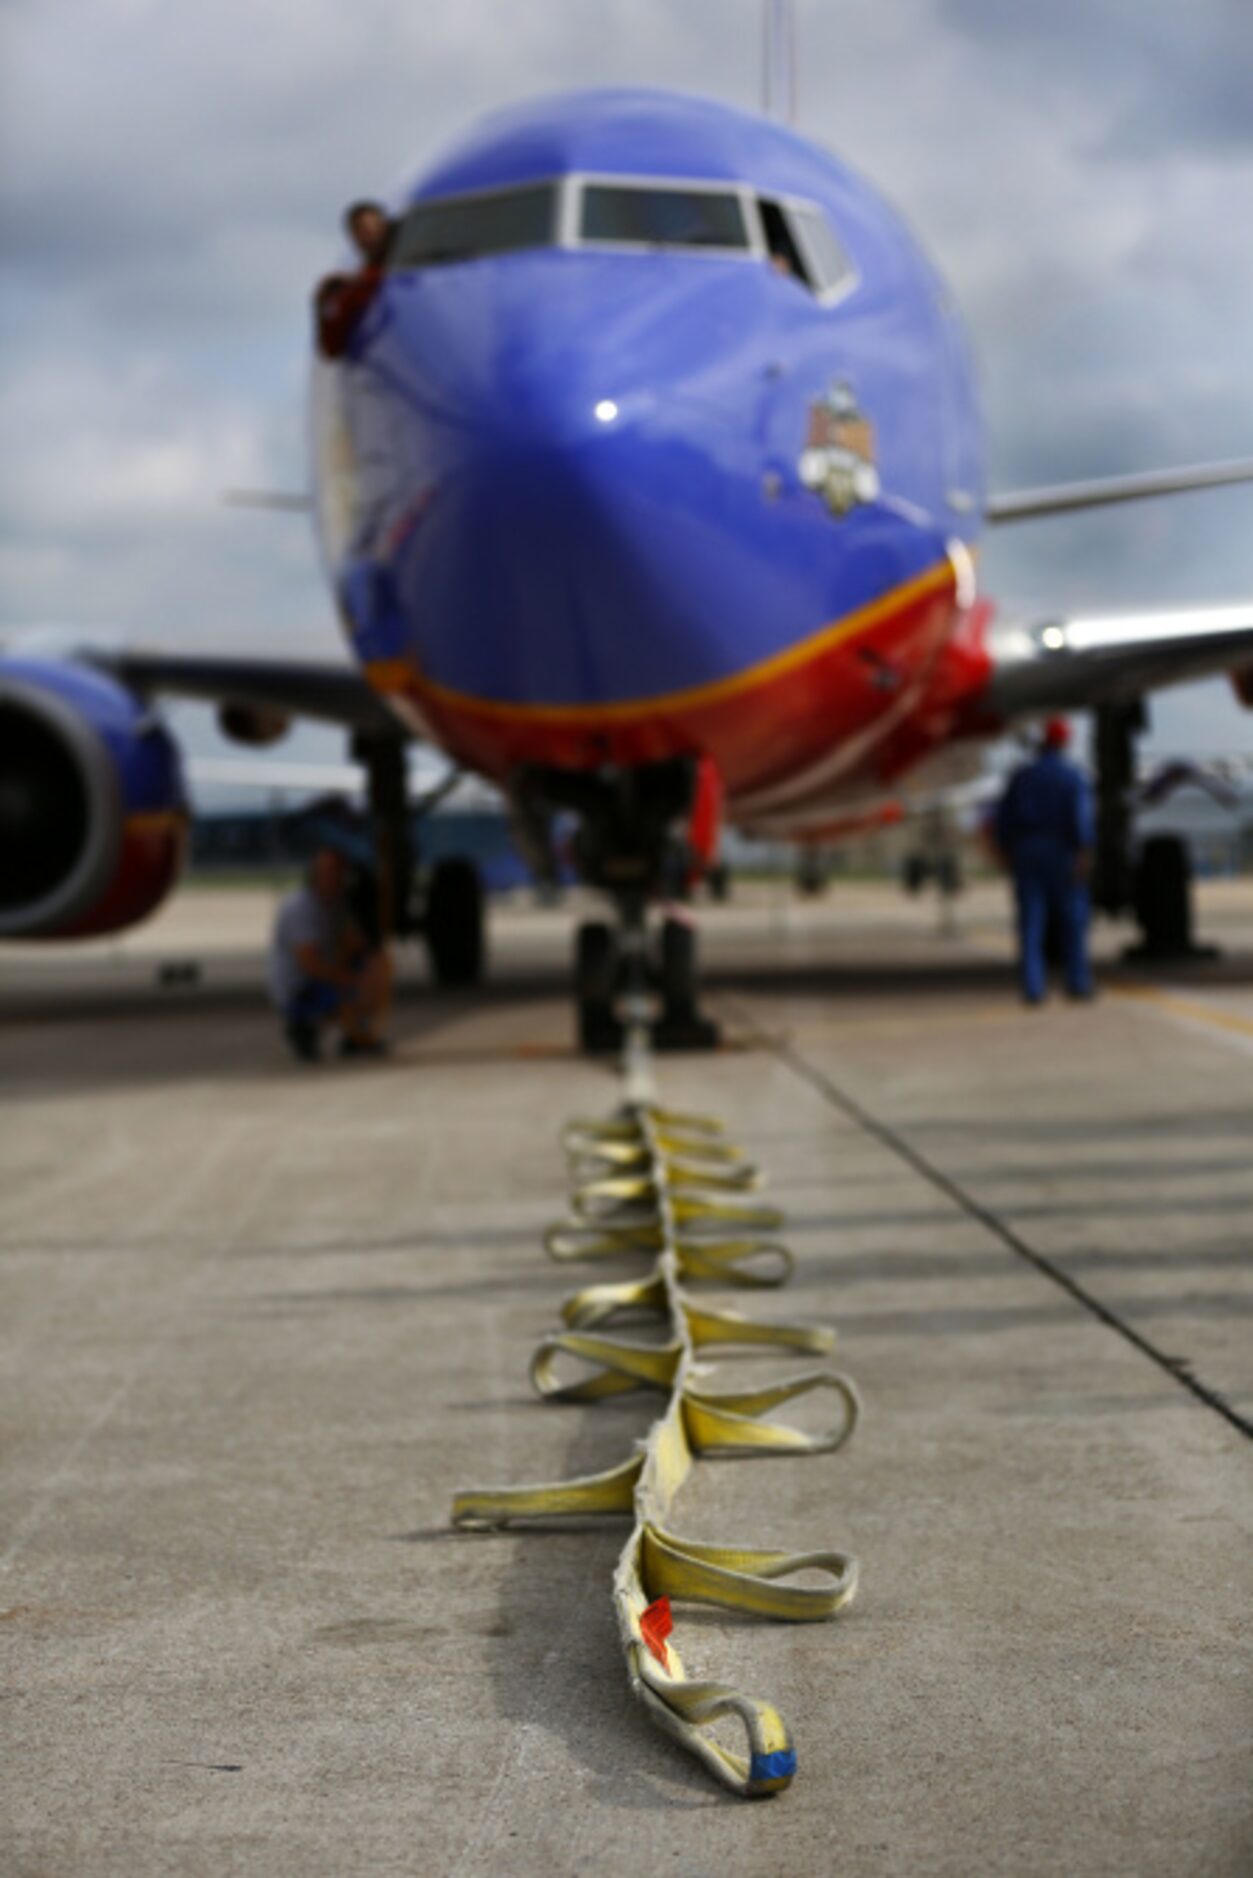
678, 965
948, 874
596, 972
454, 924
1162, 897
681, 1026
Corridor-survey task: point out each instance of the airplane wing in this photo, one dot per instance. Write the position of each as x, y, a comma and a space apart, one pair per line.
333, 694
1022, 505
1069, 664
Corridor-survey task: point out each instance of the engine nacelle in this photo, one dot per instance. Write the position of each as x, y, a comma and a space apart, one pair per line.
93, 816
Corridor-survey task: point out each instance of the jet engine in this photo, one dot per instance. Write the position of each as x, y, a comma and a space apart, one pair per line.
93, 816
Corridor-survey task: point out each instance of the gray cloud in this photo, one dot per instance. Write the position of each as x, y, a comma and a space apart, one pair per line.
1165, 79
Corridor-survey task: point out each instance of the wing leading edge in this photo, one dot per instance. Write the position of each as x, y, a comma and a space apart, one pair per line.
333, 694
1067, 664
1022, 505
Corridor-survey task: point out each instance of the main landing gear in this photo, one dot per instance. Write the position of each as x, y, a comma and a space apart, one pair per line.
454, 923
447, 909
623, 848
1156, 884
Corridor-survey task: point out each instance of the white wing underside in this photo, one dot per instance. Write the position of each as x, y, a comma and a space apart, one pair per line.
1069, 664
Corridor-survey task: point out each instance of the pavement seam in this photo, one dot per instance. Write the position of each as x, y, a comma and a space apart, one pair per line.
1175, 1367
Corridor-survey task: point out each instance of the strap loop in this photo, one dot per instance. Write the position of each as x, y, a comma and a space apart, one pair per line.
617, 1212
740, 1177
685, 1710
757, 1264
600, 1304
481, 1509
727, 1422
711, 1327
622, 1366
739, 1578
573, 1240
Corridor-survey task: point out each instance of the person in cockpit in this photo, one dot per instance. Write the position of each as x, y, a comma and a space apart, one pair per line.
342, 299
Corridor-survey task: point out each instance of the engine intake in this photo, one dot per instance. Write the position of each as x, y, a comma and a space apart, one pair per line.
92, 810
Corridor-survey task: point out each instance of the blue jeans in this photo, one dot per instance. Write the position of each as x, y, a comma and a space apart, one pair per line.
1045, 888
314, 1002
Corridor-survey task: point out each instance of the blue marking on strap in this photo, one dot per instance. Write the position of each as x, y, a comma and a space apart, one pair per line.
778, 1766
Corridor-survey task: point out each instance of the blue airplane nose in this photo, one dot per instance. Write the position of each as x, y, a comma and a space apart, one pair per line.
551, 350
559, 429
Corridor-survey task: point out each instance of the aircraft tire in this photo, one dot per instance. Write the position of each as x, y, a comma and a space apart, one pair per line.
678, 965
948, 874
1163, 900
596, 966
455, 925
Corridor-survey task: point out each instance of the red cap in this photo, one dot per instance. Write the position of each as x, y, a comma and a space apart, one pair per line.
1056, 733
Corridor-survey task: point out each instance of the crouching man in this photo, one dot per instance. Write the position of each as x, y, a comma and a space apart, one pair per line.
322, 970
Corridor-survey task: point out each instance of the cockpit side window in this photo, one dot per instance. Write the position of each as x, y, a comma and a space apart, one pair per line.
637, 216
781, 246
801, 243
461, 228
828, 262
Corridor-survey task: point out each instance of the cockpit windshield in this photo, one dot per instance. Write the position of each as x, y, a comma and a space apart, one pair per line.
643, 214
462, 227
642, 217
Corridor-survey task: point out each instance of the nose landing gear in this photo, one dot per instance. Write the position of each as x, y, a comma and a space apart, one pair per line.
613, 965
626, 819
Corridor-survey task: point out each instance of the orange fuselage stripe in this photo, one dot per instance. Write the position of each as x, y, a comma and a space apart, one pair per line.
398, 675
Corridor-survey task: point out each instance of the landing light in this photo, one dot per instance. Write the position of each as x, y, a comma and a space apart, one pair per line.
1053, 637
606, 410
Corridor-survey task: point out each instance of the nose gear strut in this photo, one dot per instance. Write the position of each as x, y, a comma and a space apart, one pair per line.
625, 847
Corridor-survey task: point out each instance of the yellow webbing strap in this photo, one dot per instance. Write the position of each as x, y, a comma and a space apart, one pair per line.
713, 1327
574, 1240
685, 1711
647, 1195
584, 1146
756, 1263
622, 1366
632, 1185
727, 1422
741, 1578
484, 1508
600, 1304
688, 1207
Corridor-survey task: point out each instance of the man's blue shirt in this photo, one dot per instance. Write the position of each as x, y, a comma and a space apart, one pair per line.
1048, 801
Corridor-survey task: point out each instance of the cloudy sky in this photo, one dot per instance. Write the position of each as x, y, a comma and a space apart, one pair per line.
1081, 170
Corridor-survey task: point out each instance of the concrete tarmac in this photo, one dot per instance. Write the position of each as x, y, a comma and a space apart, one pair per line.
260, 1321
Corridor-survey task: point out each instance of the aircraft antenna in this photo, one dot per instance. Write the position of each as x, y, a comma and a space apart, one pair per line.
778, 76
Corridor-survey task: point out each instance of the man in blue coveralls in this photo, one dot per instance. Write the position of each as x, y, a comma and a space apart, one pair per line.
1044, 830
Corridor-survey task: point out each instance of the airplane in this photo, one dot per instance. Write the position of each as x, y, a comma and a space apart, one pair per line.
649, 486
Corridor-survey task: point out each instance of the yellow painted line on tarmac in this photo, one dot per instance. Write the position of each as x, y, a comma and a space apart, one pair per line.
1185, 1007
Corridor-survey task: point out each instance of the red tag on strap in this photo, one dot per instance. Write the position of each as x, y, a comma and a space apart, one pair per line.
656, 1623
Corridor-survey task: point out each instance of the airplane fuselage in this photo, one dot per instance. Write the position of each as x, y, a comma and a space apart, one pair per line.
658, 439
